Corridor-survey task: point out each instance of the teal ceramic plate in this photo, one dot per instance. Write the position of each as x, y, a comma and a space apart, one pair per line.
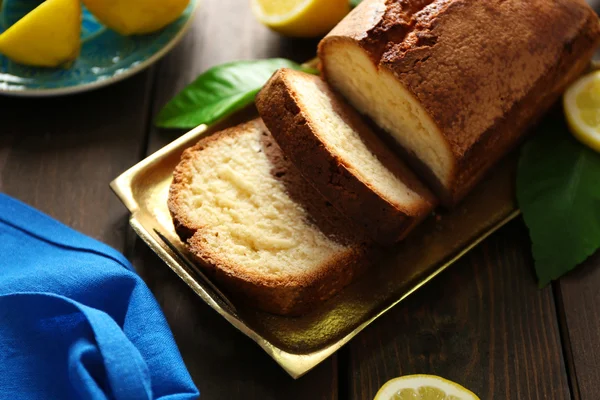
106, 57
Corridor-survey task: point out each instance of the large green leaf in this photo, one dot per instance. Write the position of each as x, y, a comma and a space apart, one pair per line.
558, 189
354, 3
220, 91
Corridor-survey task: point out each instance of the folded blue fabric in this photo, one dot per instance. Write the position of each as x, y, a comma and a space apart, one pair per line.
75, 321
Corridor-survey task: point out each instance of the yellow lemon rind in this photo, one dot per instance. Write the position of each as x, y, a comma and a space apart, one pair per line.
26, 42
394, 385
584, 133
311, 18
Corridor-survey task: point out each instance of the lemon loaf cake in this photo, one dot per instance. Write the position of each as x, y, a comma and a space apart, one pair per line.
457, 82
341, 156
257, 227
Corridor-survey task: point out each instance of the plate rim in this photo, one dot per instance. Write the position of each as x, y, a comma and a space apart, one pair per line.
85, 87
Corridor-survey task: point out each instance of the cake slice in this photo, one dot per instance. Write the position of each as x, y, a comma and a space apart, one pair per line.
257, 227
341, 156
457, 82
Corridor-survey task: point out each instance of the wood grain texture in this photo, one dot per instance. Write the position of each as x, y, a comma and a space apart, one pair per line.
483, 323
59, 154
579, 305
223, 31
224, 363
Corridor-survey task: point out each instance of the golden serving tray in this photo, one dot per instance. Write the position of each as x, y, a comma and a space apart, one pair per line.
299, 344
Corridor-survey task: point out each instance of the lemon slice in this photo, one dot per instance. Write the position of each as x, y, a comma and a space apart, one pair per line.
582, 108
423, 387
300, 18
48, 36
136, 17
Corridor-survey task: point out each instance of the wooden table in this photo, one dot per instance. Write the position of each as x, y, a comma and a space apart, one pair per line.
483, 323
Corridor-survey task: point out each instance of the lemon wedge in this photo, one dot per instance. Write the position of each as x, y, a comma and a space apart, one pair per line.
300, 18
48, 36
136, 17
423, 387
581, 103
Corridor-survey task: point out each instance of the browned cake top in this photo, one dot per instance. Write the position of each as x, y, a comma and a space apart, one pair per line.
467, 61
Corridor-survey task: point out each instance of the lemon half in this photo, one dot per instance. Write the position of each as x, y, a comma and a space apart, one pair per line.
48, 36
581, 103
423, 387
300, 18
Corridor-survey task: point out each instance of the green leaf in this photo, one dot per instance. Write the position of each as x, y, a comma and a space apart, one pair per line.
221, 91
558, 189
354, 3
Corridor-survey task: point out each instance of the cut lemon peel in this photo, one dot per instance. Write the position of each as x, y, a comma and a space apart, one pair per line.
300, 18
423, 387
136, 17
581, 103
48, 36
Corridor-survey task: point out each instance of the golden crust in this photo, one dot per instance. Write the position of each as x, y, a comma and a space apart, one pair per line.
288, 295
293, 129
292, 296
483, 70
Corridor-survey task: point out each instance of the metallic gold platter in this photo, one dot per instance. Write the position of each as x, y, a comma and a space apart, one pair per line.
299, 344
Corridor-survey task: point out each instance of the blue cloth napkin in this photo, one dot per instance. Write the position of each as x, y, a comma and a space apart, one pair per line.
75, 321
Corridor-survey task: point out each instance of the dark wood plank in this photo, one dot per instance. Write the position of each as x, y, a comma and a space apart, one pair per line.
59, 154
579, 304
224, 363
224, 31
483, 323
